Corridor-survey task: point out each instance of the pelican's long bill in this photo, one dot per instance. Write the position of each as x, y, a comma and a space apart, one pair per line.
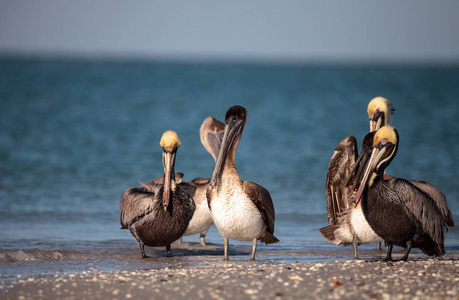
384, 148
359, 164
377, 121
232, 129
169, 175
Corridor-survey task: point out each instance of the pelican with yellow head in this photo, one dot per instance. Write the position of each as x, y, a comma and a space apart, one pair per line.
159, 212
347, 224
397, 210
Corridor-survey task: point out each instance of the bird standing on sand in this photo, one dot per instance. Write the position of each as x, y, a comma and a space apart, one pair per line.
347, 225
158, 214
242, 210
397, 210
211, 134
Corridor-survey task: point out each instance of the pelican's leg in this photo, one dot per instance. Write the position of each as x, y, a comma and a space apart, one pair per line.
225, 248
388, 252
354, 245
378, 246
254, 248
142, 250
407, 251
168, 248
202, 239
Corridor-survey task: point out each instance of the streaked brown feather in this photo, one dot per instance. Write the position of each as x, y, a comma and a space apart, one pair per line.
340, 197
262, 200
423, 207
439, 199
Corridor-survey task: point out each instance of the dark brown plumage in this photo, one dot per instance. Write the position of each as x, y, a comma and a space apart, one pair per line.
339, 196
347, 225
397, 210
159, 212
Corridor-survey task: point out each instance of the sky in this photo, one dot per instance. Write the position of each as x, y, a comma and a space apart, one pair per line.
324, 30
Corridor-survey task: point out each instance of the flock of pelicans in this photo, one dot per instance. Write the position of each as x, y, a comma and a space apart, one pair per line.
364, 204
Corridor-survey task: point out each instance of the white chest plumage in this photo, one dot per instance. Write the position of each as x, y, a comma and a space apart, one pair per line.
201, 221
356, 224
235, 215
361, 227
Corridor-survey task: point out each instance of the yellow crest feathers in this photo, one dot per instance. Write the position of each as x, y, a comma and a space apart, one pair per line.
169, 140
387, 133
380, 103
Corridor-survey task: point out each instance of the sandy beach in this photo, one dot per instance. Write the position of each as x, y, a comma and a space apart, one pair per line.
209, 277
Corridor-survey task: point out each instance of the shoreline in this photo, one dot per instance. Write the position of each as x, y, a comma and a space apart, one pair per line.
208, 276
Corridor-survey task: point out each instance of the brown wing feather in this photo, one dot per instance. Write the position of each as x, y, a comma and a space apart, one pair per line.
262, 200
439, 199
160, 180
137, 202
189, 188
423, 207
211, 133
339, 197
196, 189
200, 180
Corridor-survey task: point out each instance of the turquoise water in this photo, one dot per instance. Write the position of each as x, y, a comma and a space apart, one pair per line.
74, 134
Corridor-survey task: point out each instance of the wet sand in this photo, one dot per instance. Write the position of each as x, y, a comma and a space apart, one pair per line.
209, 277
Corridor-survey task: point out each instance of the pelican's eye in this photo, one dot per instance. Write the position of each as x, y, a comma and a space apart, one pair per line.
383, 142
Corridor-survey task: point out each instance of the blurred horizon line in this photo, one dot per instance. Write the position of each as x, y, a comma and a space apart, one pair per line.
234, 59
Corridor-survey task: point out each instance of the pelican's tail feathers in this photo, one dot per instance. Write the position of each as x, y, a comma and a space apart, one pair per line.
328, 232
268, 238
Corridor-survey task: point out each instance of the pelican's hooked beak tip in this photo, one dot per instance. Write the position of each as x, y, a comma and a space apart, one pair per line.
165, 208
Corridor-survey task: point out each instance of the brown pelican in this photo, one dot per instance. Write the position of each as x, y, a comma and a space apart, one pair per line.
211, 133
397, 210
158, 213
380, 112
242, 210
347, 225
